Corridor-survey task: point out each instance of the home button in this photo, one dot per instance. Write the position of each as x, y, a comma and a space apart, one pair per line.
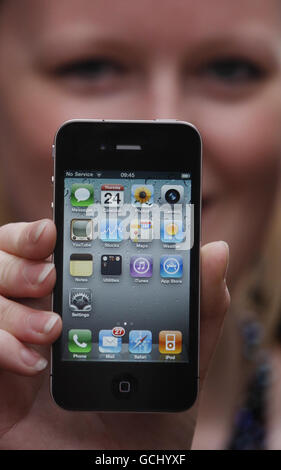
124, 386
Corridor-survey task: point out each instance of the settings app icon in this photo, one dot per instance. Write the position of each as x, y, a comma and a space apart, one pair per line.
81, 300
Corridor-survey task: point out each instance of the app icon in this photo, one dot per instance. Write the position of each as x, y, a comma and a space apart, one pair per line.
111, 230
142, 195
81, 229
140, 341
141, 230
112, 195
171, 266
109, 343
172, 194
79, 341
171, 231
141, 266
111, 265
170, 342
82, 195
81, 265
80, 300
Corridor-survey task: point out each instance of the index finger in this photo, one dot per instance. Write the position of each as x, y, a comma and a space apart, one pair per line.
34, 240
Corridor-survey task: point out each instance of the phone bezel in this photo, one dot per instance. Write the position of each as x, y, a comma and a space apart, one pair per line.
84, 138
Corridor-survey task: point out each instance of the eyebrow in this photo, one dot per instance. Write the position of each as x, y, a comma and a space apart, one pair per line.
85, 42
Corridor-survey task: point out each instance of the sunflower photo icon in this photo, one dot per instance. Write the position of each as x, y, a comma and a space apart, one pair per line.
142, 195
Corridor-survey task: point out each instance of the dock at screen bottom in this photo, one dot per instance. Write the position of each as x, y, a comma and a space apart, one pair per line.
138, 346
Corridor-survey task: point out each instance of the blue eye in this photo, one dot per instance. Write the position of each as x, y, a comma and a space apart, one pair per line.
234, 70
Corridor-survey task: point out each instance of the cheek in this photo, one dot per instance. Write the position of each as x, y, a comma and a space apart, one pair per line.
242, 143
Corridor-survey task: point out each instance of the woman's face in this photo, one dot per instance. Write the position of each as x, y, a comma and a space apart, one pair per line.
216, 64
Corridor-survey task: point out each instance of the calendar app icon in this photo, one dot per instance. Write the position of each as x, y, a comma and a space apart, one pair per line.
112, 195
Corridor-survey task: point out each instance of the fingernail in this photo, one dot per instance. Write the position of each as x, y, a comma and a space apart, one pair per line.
42, 322
45, 272
35, 274
33, 359
227, 251
36, 234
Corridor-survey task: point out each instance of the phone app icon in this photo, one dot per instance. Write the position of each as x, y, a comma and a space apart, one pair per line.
111, 230
172, 194
80, 341
81, 265
109, 343
170, 342
80, 300
111, 265
141, 230
141, 266
140, 341
171, 266
112, 195
82, 195
81, 229
142, 195
171, 231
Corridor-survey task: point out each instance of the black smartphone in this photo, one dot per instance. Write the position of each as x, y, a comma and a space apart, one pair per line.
127, 207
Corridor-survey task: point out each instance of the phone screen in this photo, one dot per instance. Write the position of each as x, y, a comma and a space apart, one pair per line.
127, 238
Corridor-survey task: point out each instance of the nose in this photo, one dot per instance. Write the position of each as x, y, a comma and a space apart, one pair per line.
164, 93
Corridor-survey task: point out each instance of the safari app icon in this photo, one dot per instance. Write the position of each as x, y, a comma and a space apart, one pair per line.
82, 195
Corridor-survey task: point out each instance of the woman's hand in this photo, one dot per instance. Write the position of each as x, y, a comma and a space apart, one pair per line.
25, 273
27, 277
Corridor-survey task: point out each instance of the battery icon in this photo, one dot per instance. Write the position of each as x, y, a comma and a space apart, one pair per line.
185, 176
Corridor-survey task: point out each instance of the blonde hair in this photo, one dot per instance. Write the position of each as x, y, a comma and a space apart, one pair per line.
258, 292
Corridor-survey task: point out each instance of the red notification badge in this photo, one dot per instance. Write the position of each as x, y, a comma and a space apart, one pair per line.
118, 331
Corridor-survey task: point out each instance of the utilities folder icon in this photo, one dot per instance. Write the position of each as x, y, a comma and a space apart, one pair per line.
81, 265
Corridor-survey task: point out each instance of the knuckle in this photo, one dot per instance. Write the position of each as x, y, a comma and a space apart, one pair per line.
6, 311
23, 239
7, 265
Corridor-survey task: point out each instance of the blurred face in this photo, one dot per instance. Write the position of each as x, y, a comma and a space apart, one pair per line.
216, 64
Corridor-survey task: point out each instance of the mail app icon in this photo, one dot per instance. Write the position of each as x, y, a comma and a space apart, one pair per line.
109, 343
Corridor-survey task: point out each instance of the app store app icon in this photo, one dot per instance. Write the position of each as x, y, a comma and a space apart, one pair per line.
171, 266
